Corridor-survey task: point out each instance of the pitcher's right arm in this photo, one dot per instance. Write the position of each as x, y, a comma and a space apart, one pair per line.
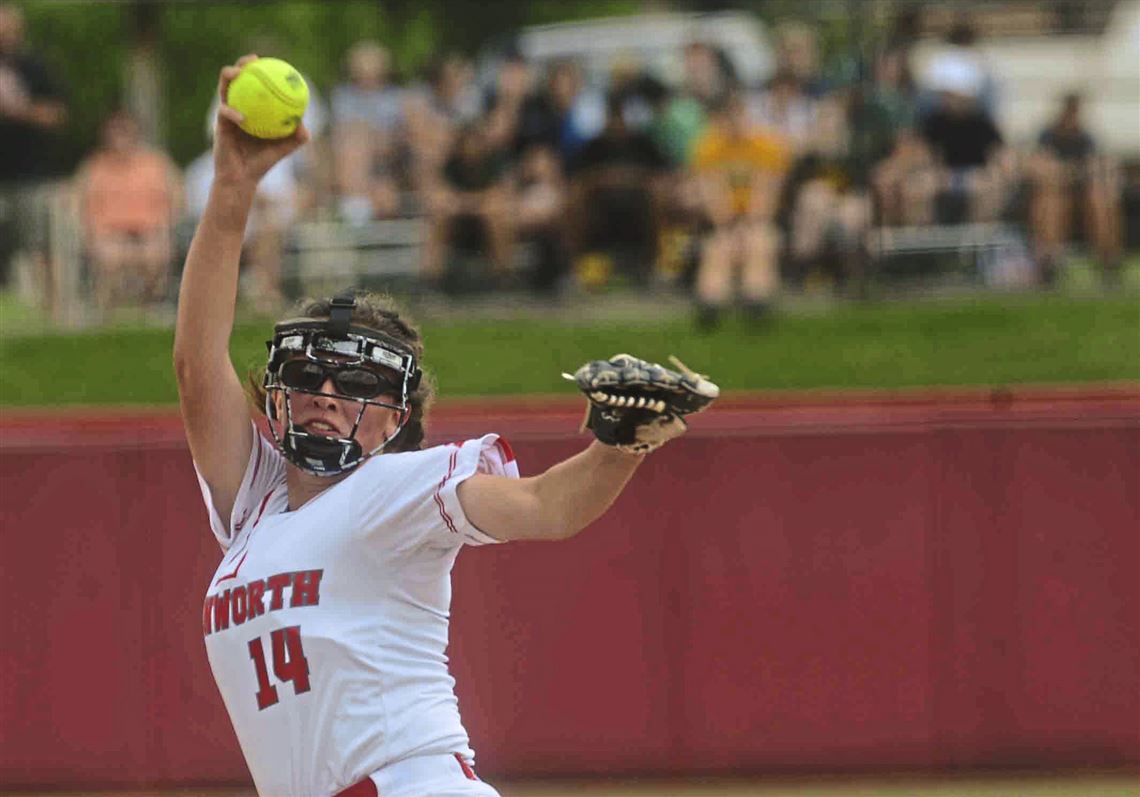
215, 411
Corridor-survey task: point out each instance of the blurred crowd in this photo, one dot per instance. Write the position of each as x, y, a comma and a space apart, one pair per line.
540, 178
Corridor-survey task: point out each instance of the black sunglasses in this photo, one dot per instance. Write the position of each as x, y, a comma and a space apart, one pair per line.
352, 380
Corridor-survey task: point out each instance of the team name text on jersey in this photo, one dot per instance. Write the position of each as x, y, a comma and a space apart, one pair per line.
248, 601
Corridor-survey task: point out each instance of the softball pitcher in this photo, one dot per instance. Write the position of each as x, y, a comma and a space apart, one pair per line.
326, 623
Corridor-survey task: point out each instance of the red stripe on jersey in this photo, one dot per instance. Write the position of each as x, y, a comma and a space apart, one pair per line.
467, 770
257, 460
264, 503
506, 450
252, 480
228, 576
439, 499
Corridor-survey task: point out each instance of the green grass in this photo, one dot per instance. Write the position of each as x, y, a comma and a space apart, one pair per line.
992, 340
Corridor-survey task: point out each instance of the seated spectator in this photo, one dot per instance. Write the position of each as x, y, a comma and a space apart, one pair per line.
468, 207
435, 111
903, 181
1067, 172
129, 198
972, 168
33, 111
892, 89
706, 74
739, 168
562, 114
514, 108
540, 204
829, 198
681, 118
960, 55
639, 93
367, 136
786, 108
618, 181
797, 54
904, 30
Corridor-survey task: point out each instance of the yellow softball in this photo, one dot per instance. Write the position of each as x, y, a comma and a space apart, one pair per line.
271, 95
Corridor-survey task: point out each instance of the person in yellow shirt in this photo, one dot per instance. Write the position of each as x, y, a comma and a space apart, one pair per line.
738, 169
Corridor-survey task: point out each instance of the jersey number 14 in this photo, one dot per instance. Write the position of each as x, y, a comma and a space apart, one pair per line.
289, 664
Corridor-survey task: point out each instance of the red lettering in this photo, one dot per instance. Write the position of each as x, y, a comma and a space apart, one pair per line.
256, 592
246, 602
239, 605
306, 588
289, 664
222, 611
276, 584
266, 692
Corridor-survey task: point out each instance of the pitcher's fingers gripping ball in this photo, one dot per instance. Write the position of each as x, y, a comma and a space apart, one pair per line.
637, 406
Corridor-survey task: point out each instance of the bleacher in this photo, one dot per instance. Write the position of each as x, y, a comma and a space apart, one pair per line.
990, 254
327, 254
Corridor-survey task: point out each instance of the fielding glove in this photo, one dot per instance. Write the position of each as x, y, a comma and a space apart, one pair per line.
637, 406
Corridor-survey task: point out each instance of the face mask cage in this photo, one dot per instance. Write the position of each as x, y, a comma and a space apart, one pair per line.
321, 342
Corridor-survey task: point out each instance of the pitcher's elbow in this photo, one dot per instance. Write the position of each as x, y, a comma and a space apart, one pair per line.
183, 368
189, 368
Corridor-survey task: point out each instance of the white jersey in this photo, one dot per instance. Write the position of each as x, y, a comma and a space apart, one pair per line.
326, 626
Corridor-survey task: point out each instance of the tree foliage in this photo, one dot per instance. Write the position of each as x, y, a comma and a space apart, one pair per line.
86, 49
88, 44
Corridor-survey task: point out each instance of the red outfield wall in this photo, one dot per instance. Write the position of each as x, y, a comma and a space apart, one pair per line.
826, 584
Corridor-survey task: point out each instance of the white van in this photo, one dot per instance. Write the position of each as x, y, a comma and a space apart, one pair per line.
656, 41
